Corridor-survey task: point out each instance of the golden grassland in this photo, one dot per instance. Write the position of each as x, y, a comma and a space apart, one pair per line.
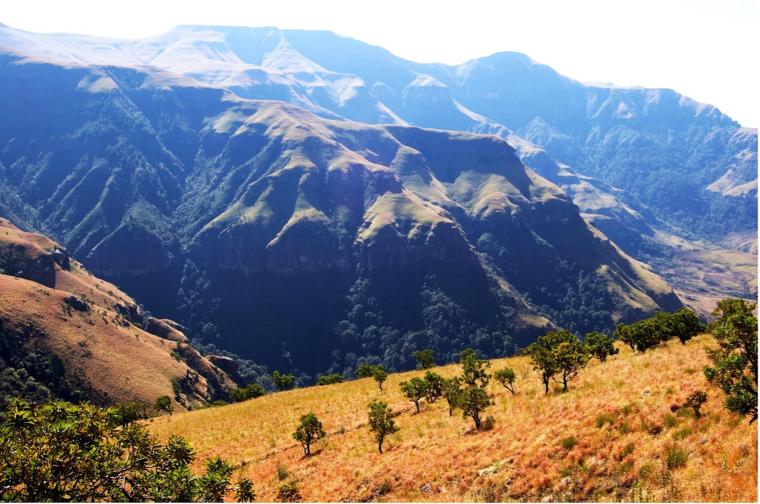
613, 435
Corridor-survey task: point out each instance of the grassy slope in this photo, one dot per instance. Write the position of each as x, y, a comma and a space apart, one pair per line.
438, 458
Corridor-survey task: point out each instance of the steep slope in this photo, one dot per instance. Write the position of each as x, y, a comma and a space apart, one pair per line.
301, 241
616, 418
66, 333
651, 167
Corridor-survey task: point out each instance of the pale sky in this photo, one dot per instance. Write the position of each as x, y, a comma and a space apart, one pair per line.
704, 49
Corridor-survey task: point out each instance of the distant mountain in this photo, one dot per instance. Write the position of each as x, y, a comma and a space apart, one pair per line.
649, 167
67, 334
300, 241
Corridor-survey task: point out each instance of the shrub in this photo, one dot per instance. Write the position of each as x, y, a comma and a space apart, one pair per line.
599, 345
126, 413
164, 404
569, 443
251, 391
650, 332
473, 402
452, 391
309, 431
488, 423
734, 362
414, 390
695, 402
507, 378
604, 418
381, 422
245, 491
282, 472
329, 379
364, 370
433, 386
473, 369
670, 421
425, 358
379, 374
288, 492
114, 462
675, 456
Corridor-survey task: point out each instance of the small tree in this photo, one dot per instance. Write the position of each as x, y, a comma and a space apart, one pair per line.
474, 370
425, 358
250, 391
329, 379
381, 422
245, 491
414, 390
364, 370
433, 386
557, 352
734, 362
571, 357
542, 359
599, 345
684, 324
452, 391
309, 431
695, 402
164, 404
473, 402
380, 375
213, 486
288, 492
507, 378
283, 381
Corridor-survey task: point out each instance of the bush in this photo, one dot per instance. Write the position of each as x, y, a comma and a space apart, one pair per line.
507, 378
425, 358
330, 379
364, 370
282, 472
695, 402
488, 423
569, 443
650, 332
433, 386
675, 457
245, 491
164, 404
381, 422
126, 413
734, 362
114, 462
283, 381
309, 431
599, 345
288, 492
251, 391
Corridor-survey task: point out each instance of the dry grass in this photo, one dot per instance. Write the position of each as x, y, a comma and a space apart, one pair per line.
628, 444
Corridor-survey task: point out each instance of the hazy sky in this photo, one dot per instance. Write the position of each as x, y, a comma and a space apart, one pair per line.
705, 49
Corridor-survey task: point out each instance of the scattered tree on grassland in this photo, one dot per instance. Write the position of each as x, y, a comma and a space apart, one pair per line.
425, 358
414, 390
329, 379
163, 403
433, 386
648, 333
250, 391
381, 422
734, 362
364, 370
599, 345
557, 352
64, 452
452, 391
380, 375
571, 357
283, 381
309, 431
507, 378
473, 402
474, 370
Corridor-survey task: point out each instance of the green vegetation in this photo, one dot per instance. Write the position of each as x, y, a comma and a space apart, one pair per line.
283, 381
599, 345
473, 402
452, 391
414, 390
650, 332
163, 404
364, 370
507, 378
329, 379
380, 375
474, 370
557, 352
251, 391
734, 367
64, 452
433, 386
309, 431
381, 422
695, 402
288, 492
425, 358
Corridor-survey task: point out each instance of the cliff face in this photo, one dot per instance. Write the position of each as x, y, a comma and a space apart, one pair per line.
302, 241
53, 311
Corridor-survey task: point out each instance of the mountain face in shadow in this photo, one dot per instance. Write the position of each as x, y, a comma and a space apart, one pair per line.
298, 240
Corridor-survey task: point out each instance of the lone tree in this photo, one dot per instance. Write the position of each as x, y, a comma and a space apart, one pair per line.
380, 375
599, 345
381, 422
557, 352
734, 362
452, 391
473, 402
414, 390
425, 358
507, 378
433, 386
64, 452
163, 403
473, 369
283, 381
309, 431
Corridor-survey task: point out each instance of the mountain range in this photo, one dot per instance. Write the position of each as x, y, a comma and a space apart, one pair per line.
284, 195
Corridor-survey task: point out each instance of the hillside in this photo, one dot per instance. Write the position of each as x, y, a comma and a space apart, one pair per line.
302, 242
618, 412
65, 333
